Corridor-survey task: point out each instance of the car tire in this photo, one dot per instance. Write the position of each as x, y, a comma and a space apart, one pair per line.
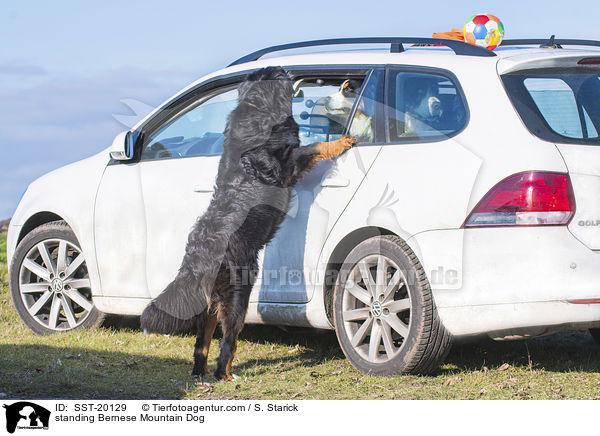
55, 297
391, 325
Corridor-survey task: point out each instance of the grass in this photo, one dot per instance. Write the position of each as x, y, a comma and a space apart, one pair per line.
2, 249
117, 361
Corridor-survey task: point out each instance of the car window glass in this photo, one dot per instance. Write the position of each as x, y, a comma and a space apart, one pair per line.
196, 132
557, 104
560, 105
363, 122
322, 106
424, 106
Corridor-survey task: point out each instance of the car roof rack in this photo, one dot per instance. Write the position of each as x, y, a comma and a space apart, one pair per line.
396, 46
550, 43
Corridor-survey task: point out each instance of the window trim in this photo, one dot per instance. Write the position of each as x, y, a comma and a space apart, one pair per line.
379, 133
389, 70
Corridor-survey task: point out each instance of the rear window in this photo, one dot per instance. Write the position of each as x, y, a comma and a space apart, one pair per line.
558, 105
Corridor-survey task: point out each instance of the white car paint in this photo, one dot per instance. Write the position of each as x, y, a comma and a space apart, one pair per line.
584, 167
486, 280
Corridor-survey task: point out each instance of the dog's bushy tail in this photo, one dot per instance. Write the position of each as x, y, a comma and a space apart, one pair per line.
176, 308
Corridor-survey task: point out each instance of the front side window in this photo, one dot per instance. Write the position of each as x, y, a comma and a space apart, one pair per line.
558, 105
424, 106
322, 106
198, 131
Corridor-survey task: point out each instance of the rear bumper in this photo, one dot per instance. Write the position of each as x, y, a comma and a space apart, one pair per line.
510, 278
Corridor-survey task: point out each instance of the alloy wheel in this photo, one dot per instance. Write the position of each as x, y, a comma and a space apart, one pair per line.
54, 285
376, 308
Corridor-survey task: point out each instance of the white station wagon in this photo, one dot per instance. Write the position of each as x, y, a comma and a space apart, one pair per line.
469, 206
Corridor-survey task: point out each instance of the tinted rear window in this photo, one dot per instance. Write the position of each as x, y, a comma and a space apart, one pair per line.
558, 105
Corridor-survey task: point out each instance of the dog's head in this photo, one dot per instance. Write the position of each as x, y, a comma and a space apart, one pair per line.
264, 103
268, 90
421, 96
343, 100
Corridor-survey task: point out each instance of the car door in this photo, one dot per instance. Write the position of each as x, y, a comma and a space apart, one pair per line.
120, 232
435, 167
145, 209
289, 262
178, 168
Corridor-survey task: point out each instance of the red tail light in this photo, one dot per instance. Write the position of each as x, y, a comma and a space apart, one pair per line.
533, 198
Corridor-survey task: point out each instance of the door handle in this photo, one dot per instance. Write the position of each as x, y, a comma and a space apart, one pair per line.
335, 182
203, 188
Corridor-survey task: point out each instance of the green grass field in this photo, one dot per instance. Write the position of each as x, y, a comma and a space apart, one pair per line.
117, 361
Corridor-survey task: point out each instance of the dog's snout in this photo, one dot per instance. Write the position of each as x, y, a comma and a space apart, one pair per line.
327, 102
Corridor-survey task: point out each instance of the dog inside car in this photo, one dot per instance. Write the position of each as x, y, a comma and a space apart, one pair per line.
423, 108
261, 161
338, 107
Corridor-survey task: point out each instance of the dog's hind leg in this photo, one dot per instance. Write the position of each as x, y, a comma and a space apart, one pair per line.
232, 322
207, 322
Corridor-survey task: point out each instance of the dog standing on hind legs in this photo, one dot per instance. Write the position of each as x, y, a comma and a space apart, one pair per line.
261, 161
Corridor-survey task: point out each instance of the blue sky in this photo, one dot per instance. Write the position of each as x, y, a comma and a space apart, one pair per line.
65, 66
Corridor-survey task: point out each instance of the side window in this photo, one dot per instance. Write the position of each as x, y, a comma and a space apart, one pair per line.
198, 131
322, 106
424, 107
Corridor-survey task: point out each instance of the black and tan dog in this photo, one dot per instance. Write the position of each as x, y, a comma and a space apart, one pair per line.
261, 161
338, 107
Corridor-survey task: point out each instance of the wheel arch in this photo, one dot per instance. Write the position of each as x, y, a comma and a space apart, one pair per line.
37, 220
339, 253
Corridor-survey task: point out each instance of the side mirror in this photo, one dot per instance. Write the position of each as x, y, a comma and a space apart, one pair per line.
122, 147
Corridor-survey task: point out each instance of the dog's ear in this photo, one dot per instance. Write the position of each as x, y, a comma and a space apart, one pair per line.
263, 164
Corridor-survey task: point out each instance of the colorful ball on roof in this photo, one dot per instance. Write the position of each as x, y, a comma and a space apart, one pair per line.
485, 30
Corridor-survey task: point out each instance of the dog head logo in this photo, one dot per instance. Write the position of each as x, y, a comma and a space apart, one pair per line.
26, 415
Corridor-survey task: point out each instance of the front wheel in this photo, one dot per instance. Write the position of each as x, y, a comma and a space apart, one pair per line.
49, 282
384, 314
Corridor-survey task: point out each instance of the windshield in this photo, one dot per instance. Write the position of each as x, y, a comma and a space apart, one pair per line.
558, 105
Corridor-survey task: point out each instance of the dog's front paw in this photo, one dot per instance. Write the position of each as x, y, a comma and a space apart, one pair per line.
347, 141
341, 145
329, 150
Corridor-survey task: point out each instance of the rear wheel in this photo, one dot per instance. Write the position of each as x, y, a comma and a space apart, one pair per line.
384, 314
49, 282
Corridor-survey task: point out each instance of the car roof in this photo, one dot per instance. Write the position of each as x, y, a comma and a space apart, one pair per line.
507, 59
442, 57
